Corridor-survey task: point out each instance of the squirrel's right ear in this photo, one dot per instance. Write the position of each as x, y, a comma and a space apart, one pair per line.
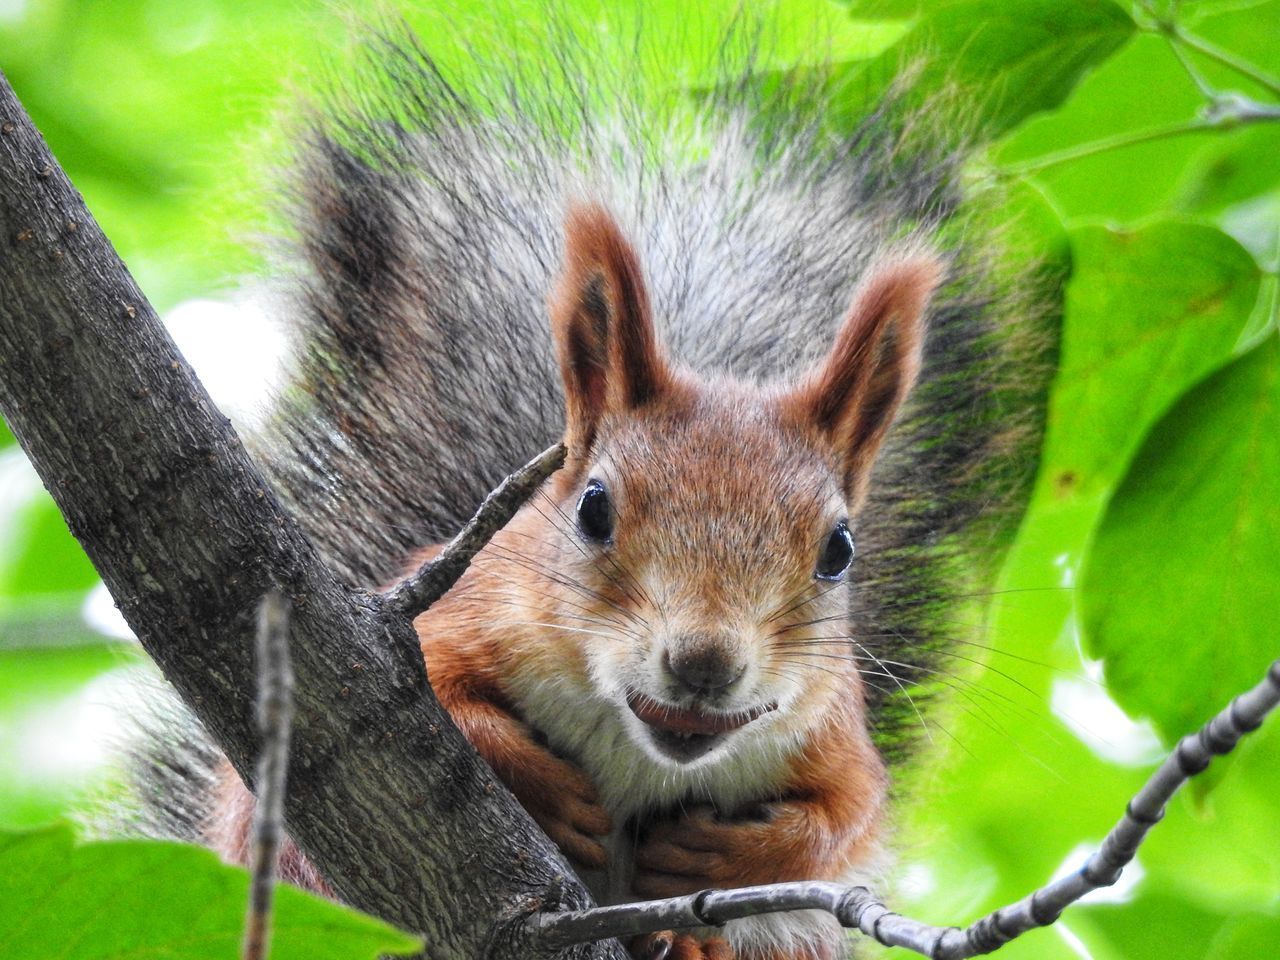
609, 354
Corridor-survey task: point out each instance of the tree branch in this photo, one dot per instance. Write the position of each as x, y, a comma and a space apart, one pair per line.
858, 908
385, 797
434, 578
275, 716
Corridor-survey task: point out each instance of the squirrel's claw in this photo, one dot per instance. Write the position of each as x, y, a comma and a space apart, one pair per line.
700, 849
652, 946
682, 856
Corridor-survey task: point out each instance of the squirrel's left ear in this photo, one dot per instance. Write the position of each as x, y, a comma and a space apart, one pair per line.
852, 396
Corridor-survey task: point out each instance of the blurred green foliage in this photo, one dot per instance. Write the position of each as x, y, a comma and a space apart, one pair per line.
97, 901
1151, 542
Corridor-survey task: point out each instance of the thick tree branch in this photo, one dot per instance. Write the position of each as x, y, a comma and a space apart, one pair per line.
858, 908
385, 796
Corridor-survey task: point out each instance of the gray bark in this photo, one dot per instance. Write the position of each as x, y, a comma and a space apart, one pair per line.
275, 720
385, 796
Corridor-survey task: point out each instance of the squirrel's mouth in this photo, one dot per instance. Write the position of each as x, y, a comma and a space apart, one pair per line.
685, 734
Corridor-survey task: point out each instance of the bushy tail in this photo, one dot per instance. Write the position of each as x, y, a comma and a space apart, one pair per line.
428, 221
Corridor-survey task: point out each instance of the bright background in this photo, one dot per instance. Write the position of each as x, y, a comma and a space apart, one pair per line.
1142, 591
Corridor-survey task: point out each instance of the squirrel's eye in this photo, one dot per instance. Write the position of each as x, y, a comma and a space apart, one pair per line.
595, 513
837, 553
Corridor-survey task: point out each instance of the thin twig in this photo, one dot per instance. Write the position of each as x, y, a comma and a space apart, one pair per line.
858, 908
1226, 58
1204, 86
1224, 112
83, 354
431, 581
275, 720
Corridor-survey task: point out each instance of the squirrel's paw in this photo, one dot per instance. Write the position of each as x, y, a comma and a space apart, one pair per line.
564, 802
669, 945
698, 850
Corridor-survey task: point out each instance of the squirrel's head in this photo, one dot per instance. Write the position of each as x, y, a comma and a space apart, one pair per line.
707, 526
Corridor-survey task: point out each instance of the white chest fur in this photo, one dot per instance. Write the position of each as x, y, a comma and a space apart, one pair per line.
633, 784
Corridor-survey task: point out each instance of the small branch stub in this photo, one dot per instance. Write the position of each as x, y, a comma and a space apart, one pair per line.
433, 579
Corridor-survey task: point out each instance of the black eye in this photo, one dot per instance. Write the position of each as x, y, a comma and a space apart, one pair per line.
837, 553
595, 513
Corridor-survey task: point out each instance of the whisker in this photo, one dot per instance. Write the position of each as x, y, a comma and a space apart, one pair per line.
901, 687
802, 603
560, 626
935, 652
622, 571
571, 536
976, 711
963, 687
620, 624
583, 589
489, 601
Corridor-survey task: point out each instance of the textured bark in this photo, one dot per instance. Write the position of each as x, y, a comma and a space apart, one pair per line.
385, 796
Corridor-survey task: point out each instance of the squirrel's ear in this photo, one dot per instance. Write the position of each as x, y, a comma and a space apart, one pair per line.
853, 395
609, 355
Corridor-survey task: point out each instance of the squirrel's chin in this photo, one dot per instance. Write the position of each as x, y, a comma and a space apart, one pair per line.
682, 749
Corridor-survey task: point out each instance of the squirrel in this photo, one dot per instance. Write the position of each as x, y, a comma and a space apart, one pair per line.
796, 413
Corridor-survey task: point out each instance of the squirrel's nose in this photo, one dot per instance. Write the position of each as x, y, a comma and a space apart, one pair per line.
703, 666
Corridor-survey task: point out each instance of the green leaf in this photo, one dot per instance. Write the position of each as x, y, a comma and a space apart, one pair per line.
1141, 88
1248, 936
1148, 313
1244, 28
1218, 845
134, 899
1004, 61
1145, 87
1180, 589
888, 9
1233, 170
900, 9
1177, 928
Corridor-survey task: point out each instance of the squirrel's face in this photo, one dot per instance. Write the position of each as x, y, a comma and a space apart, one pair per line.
707, 525
708, 543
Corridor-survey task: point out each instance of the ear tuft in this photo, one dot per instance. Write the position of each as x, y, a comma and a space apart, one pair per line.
853, 395
603, 329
